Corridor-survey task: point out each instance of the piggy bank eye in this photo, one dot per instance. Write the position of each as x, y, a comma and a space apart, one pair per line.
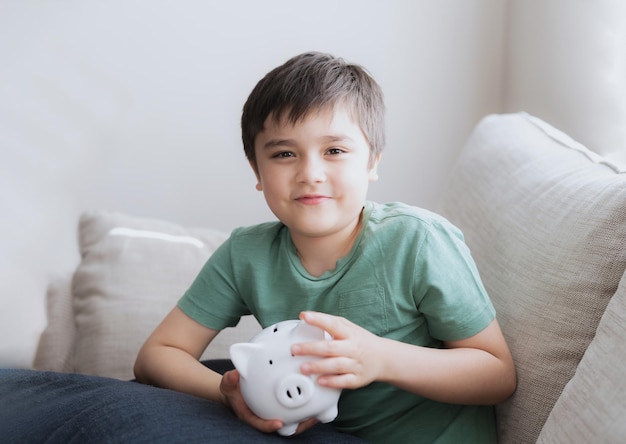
275, 329
271, 362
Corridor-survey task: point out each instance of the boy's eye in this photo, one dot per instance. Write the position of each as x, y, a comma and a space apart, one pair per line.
283, 155
335, 151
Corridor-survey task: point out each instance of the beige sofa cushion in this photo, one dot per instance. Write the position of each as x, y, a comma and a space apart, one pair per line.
546, 222
592, 408
55, 351
131, 274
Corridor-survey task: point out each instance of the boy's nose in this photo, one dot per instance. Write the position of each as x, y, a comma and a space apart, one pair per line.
311, 170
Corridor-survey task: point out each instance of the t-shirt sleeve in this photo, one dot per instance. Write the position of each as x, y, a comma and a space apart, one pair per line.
213, 299
449, 291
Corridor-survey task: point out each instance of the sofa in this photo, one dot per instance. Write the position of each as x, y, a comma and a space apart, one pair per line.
544, 217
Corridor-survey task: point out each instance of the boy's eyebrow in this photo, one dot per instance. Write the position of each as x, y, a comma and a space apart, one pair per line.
279, 142
338, 138
272, 143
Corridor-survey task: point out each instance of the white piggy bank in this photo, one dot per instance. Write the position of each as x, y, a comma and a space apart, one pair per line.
270, 378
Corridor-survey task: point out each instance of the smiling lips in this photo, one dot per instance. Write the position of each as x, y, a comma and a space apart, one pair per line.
312, 199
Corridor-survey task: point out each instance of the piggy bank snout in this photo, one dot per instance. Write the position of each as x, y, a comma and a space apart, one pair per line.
294, 390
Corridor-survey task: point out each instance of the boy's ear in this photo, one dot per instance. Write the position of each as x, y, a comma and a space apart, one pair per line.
373, 172
256, 173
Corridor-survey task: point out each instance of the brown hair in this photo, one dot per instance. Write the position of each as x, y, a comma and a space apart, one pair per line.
309, 82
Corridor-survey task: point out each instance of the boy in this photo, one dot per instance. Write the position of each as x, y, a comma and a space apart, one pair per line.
416, 347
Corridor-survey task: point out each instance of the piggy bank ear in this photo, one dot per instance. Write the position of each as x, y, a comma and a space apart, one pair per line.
241, 353
306, 331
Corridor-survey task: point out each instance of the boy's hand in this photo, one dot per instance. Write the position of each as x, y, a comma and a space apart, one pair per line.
351, 360
231, 394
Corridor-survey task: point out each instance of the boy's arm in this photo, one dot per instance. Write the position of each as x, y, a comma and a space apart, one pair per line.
477, 370
169, 359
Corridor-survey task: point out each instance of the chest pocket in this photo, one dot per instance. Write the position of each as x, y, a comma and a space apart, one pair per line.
365, 307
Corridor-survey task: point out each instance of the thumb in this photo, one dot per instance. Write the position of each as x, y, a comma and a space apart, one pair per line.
231, 377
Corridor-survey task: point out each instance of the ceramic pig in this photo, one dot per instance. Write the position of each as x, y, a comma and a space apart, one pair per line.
270, 378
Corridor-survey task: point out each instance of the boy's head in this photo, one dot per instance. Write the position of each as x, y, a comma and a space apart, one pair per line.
311, 82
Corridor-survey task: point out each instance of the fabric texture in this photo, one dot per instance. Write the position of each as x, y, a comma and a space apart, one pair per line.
546, 223
56, 345
37, 406
408, 277
131, 274
592, 407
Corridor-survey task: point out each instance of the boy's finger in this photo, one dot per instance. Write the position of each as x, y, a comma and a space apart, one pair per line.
313, 348
266, 426
306, 425
231, 378
335, 326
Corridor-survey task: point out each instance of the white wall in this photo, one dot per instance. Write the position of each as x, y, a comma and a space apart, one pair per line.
134, 106
571, 69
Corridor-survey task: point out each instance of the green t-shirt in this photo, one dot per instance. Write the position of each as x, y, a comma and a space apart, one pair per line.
408, 277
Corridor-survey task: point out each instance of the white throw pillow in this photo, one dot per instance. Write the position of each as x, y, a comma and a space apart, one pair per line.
131, 274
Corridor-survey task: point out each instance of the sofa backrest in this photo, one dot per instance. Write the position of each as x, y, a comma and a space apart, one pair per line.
545, 220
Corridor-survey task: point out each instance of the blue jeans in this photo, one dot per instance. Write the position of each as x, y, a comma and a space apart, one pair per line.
53, 407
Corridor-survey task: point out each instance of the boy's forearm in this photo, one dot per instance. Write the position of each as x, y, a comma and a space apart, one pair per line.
171, 368
458, 375
476, 370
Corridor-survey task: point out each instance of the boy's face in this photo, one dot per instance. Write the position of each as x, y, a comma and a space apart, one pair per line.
315, 173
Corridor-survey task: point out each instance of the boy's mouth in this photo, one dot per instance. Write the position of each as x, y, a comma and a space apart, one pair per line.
312, 199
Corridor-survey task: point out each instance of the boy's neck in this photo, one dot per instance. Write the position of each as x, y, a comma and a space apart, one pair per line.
320, 254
